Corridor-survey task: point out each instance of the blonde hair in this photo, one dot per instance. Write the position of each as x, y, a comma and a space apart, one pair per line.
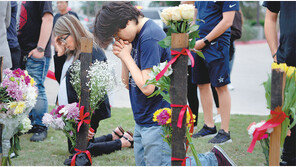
69, 24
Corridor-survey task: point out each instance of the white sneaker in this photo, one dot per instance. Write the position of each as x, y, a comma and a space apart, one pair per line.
217, 118
230, 87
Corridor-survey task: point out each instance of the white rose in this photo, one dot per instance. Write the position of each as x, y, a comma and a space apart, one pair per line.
176, 14
187, 11
166, 14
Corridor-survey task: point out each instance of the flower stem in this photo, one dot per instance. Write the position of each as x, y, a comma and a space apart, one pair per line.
192, 148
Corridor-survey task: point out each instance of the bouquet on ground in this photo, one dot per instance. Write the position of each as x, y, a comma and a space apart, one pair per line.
65, 118
18, 93
289, 104
164, 118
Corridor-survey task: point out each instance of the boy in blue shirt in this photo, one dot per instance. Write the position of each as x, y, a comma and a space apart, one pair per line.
214, 42
136, 45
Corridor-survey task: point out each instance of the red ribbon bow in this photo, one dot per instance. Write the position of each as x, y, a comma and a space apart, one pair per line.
259, 133
173, 52
183, 160
181, 115
79, 152
82, 118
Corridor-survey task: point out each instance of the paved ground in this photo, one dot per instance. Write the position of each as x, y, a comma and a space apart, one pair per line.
251, 66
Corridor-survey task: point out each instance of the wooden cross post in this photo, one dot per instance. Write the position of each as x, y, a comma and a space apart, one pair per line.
178, 95
86, 59
278, 81
1, 126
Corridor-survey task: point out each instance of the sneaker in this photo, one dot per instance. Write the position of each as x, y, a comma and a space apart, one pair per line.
40, 134
222, 158
217, 118
221, 138
33, 129
205, 132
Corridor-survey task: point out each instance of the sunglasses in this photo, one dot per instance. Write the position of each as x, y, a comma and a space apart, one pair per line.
63, 40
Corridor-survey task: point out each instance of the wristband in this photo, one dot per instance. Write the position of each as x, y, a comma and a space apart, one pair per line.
206, 41
273, 55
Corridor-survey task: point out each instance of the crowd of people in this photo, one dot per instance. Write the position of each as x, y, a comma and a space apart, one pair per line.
26, 38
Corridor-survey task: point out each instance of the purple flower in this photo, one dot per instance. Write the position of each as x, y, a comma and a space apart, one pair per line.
73, 111
55, 112
18, 73
163, 117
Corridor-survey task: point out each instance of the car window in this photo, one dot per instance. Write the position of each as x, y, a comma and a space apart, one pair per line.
151, 14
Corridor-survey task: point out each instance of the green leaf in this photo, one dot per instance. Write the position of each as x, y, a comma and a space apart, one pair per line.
193, 35
191, 44
200, 54
174, 28
168, 40
193, 27
162, 44
200, 20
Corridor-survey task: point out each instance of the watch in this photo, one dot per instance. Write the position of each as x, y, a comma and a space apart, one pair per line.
206, 41
40, 49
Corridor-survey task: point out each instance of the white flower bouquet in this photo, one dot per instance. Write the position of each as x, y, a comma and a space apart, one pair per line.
18, 95
163, 84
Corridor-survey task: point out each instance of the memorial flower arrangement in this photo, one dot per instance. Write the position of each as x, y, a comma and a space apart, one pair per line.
289, 104
65, 118
179, 19
164, 118
101, 80
163, 84
18, 93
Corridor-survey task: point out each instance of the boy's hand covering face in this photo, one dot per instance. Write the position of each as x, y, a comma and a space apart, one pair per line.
122, 48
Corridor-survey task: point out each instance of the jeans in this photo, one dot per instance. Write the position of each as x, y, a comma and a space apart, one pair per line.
206, 159
37, 68
149, 147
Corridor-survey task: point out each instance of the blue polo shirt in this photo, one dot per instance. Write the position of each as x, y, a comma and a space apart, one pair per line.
147, 53
211, 12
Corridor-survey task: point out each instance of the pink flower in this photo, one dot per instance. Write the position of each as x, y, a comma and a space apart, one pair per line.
163, 117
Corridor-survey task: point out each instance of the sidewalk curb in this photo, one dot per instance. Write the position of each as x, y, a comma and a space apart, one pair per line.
250, 42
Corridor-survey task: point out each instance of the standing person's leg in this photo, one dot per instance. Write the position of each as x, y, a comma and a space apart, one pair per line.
15, 57
200, 76
37, 68
192, 95
156, 151
220, 77
139, 147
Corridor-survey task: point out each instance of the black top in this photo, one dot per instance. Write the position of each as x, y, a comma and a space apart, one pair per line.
104, 110
286, 51
60, 15
30, 25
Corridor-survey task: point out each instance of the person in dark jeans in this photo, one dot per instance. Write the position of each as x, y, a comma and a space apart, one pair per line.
283, 53
60, 60
14, 46
34, 32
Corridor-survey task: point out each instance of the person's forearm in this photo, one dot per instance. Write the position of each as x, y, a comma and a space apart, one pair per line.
125, 75
138, 76
45, 31
270, 31
222, 26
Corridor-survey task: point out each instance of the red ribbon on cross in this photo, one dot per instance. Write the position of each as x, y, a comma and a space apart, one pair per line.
82, 117
278, 117
181, 116
79, 152
173, 52
183, 160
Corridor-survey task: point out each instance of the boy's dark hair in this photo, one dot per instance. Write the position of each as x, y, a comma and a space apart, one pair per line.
112, 17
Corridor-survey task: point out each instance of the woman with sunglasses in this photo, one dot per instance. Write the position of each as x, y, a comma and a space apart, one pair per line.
68, 31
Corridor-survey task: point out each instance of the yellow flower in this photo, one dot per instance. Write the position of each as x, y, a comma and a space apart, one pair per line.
290, 71
12, 105
156, 113
32, 82
20, 108
284, 67
188, 118
274, 66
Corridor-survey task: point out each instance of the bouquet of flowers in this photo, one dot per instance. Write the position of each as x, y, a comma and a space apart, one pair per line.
264, 142
18, 95
179, 19
164, 118
65, 118
102, 80
289, 105
163, 84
